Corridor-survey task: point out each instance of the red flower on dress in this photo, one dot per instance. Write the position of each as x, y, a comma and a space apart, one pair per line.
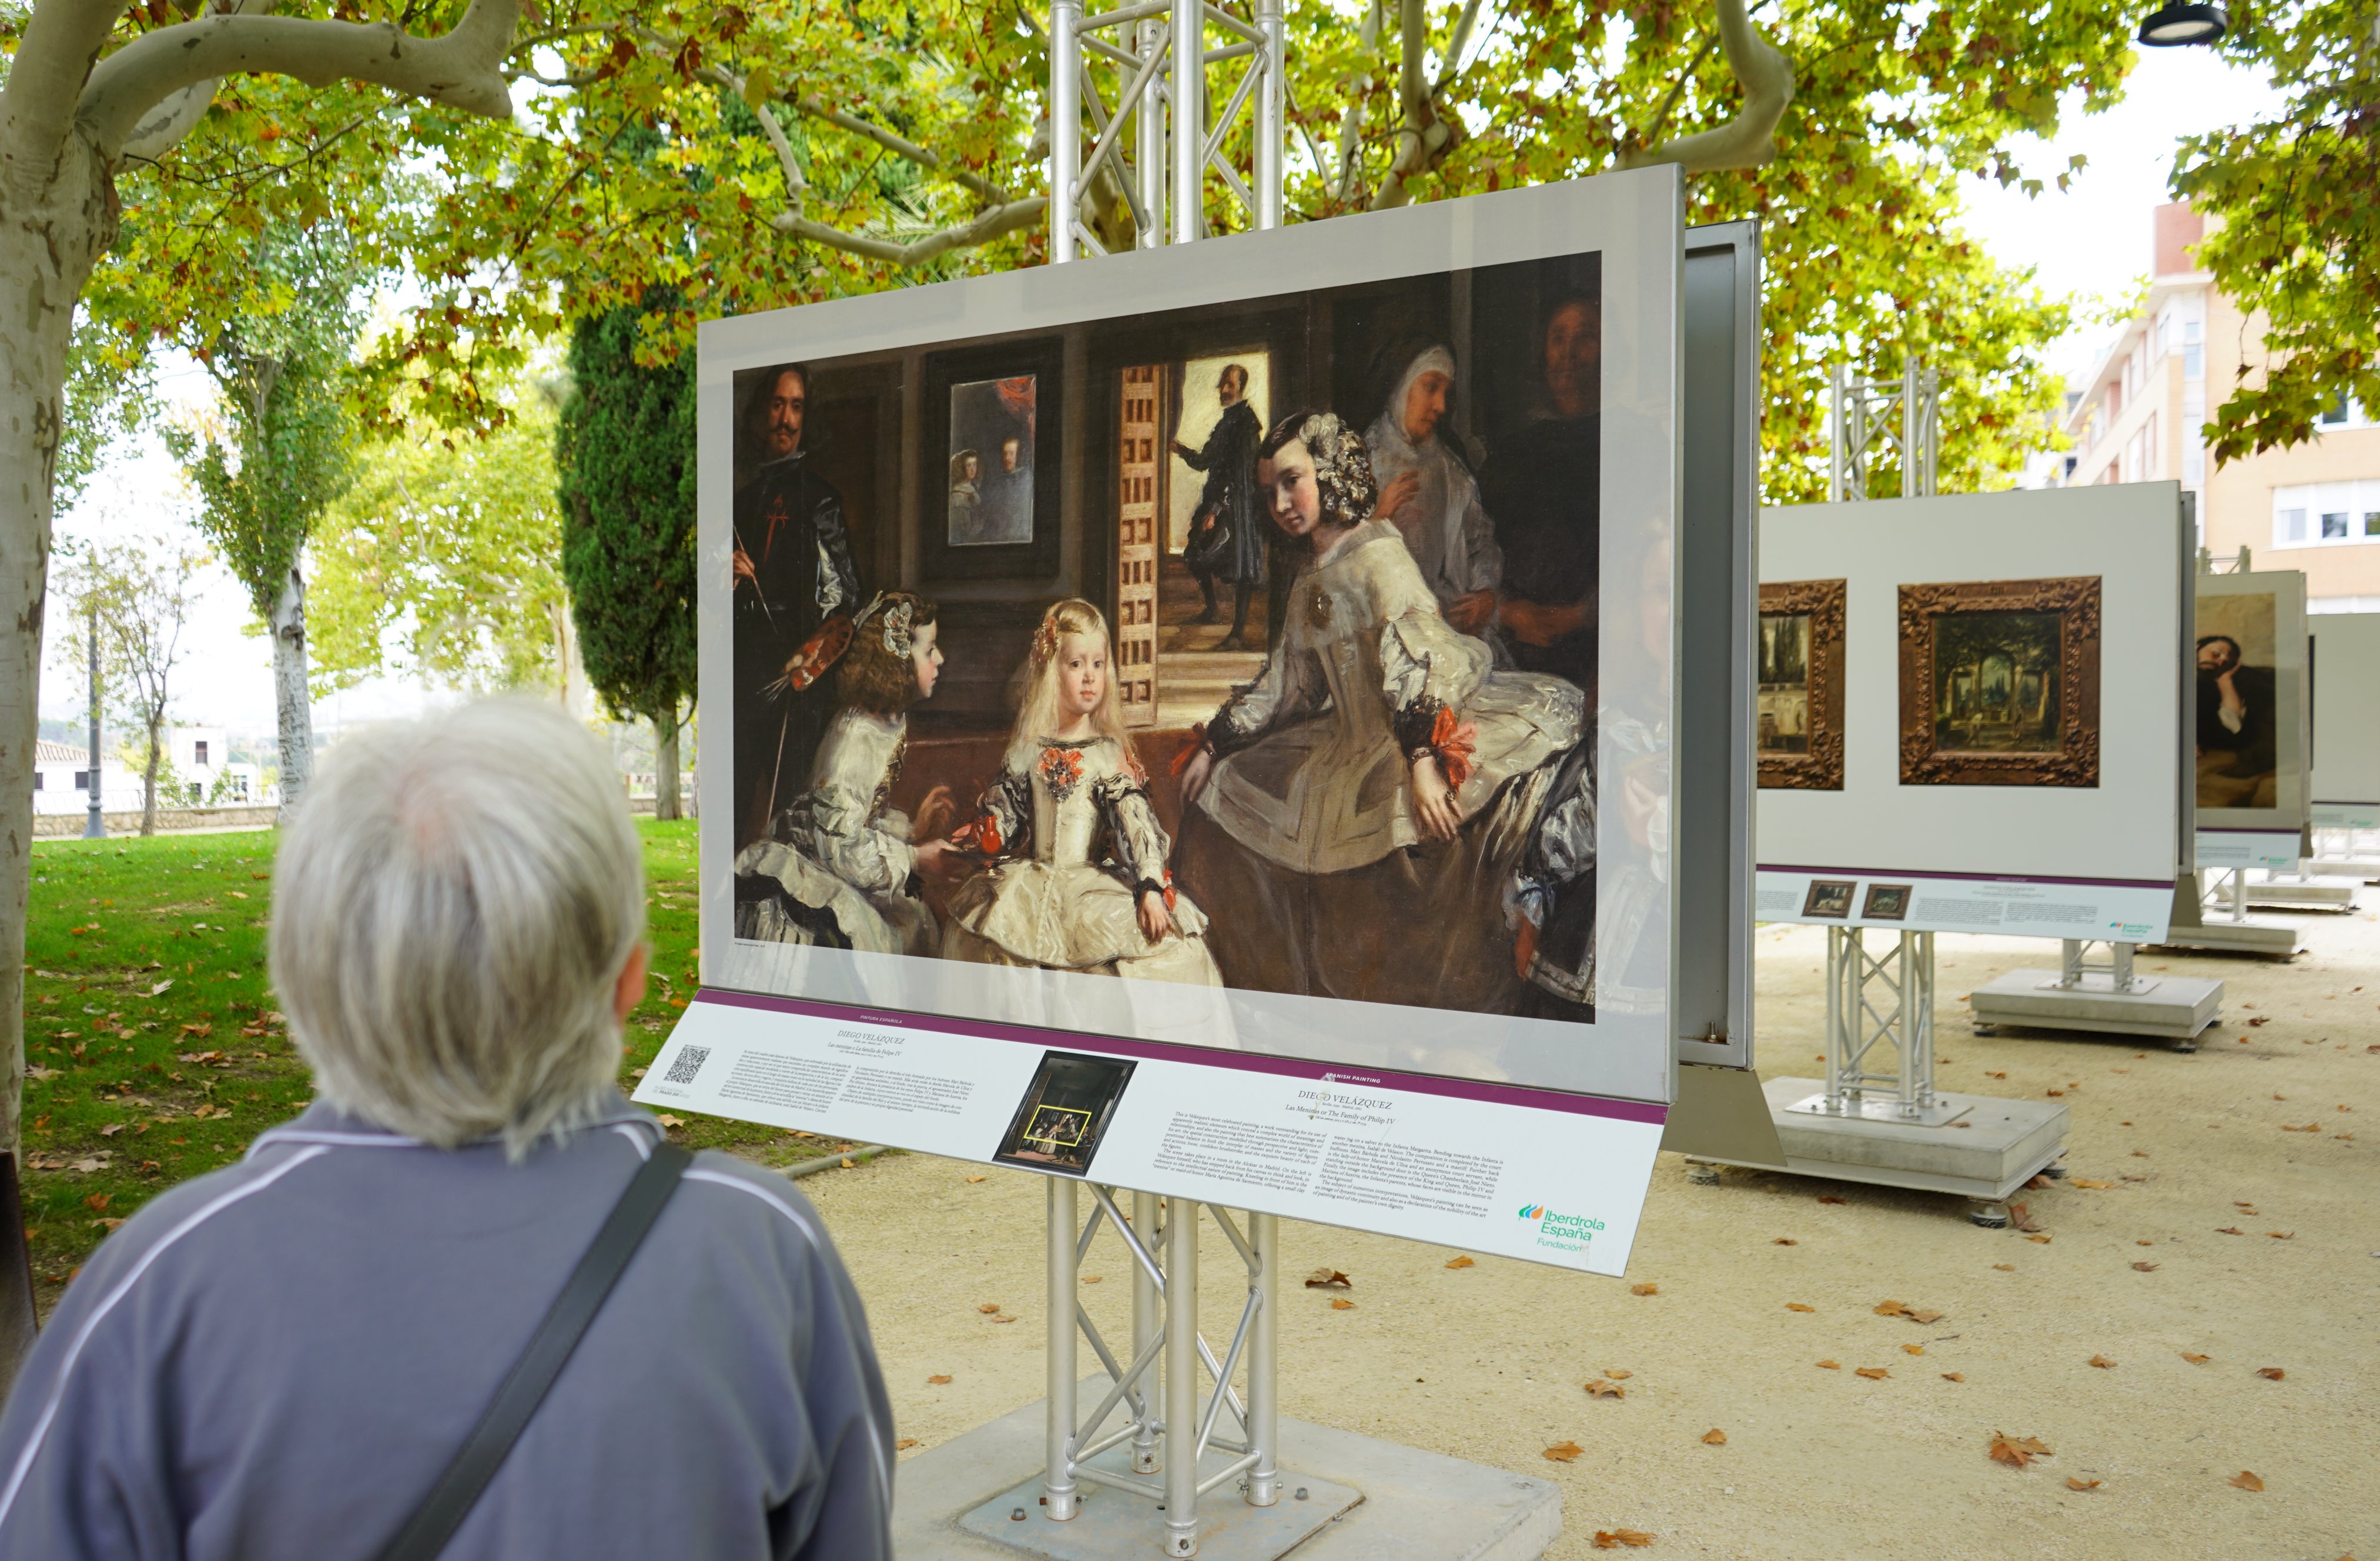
1062, 770
1454, 741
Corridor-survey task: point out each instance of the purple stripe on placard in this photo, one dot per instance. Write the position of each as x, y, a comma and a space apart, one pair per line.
2284, 834
1204, 1056
1973, 877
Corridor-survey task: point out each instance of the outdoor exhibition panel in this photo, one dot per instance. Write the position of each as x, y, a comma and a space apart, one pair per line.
1361, 912
2346, 678
2251, 720
1971, 713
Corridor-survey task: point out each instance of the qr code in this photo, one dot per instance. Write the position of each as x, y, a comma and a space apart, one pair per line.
687, 1062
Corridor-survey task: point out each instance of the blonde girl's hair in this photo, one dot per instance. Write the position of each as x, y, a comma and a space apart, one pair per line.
1039, 716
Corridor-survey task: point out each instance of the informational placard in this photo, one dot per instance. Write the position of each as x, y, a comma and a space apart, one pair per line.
2251, 719
1532, 1173
2274, 851
1971, 713
1360, 768
2346, 678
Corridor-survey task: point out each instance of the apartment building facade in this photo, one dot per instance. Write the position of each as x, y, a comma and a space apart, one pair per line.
2313, 506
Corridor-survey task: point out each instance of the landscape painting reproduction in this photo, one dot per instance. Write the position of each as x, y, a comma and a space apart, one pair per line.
1999, 683
1799, 736
1217, 675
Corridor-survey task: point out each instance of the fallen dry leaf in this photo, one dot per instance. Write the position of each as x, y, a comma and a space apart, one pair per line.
1786, 1241
1829, 1198
1643, 1289
2272, 1373
1613, 1539
1460, 1262
1091, 1278
1832, 1365
988, 1307
1003, 1317
1564, 1452
1618, 1374
2038, 1240
937, 1381
2018, 1451
903, 1444
2146, 1267
1714, 1438
2229, 1230
2103, 1362
2282, 1234
2074, 1484
1598, 1388
2093, 1185
112, 1129
2005, 1267
1872, 1373
1954, 1376
975, 1179
1988, 1074
1913, 1349
1797, 1306
2019, 1218
665, 1119
1340, 1303
1329, 1279
2196, 1360
2247, 1481
2053, 1094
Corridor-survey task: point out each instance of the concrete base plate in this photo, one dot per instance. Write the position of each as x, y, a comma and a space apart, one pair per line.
2255, 935
2176, 1007
1376, 1501
2344, 867
2314, 897
1993, 1147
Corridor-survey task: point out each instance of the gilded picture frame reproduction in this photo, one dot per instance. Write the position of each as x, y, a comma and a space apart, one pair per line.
1830, 897
1887, 902
1999, 683
1800, 740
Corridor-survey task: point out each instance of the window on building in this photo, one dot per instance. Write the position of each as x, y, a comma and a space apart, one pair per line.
2335, 413
2334, 523
2325, 514
199, 752
2372, 522
82, 780
38, 778
2292, 526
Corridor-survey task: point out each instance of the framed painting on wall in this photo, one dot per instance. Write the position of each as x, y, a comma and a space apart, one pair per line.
995, 428
1999, 683
1800, 741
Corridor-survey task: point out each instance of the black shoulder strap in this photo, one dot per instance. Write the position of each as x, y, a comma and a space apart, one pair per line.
450, 1501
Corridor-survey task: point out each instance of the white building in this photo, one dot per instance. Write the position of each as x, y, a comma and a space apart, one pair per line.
201, 759
62, 780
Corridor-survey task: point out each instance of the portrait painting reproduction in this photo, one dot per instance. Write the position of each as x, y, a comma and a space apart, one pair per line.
1999, 683
1799, 736
2239, 722
1830, 897
991, 462
1226, 673
1886, 902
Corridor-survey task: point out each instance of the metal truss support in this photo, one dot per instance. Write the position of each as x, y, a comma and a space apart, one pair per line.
2078, 972
1881, 1032
1144, 68
1167, 1423
1862, 425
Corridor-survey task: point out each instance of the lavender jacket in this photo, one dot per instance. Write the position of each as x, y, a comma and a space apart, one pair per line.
274, 1362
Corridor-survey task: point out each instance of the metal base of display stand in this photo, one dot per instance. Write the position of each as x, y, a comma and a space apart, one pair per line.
2361, 871
2218, 919
2300, 891
1894, 1129
958, 1501
2107, 998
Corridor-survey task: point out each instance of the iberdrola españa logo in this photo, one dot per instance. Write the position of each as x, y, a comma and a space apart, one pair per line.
1534, 1211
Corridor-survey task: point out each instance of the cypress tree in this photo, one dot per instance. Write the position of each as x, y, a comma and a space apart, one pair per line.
625, 448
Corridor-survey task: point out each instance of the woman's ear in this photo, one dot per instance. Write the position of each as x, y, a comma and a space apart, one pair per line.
629, 990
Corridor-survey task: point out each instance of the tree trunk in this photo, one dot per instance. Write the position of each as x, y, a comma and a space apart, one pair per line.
290, 702
665, 793
149, 777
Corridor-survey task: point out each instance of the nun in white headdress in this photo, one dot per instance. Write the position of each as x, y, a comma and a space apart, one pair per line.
1436, 509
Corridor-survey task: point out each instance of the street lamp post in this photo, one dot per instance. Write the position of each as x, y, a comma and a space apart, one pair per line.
94, 826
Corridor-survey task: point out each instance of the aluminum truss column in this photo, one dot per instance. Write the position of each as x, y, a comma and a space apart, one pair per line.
1264, 1362
1181, 1359
1066, 125
1147, 1320
1272, 138
1189, 142
1058, 1487
1876, 1002
1151, 163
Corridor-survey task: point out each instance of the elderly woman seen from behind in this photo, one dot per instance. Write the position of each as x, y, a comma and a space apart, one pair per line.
279, 1362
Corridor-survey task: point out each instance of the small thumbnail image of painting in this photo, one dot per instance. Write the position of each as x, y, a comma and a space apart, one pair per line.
1828, 897
1785, 683
1887, 902
1065, 1111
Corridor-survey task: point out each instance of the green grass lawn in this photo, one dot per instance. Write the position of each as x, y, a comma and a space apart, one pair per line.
154, 1050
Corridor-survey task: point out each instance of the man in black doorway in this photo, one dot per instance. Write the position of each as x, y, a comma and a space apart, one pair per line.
793, 571
1228, 537
1541, 485
2237, 750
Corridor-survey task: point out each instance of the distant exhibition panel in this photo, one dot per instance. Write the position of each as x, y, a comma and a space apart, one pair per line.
2251, 719
2346, 677
1971, 711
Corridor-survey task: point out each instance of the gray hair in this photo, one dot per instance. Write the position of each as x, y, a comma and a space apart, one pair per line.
454, 906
